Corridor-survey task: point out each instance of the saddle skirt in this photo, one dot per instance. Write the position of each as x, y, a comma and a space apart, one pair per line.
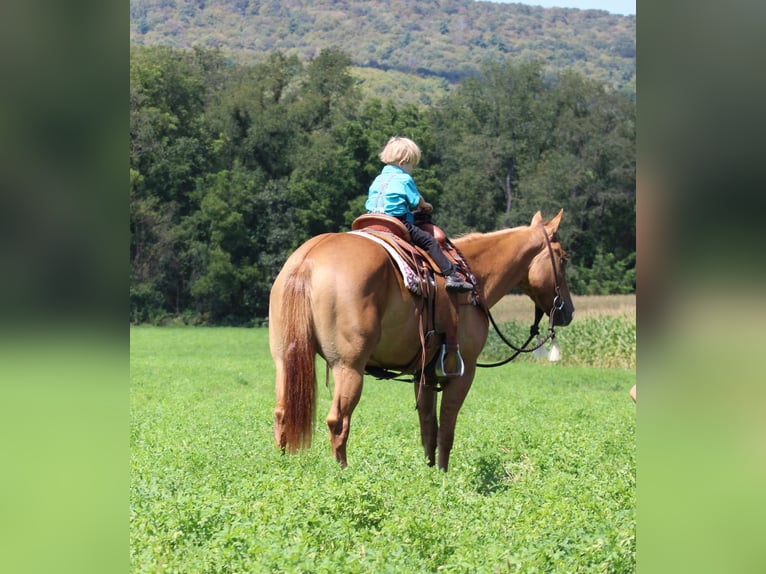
412, 280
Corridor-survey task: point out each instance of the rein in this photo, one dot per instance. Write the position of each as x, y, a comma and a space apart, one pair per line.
534, 330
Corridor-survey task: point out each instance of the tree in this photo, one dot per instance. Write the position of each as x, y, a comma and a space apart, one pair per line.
593, 167
490, 130
168, 152
512, 142
233, 166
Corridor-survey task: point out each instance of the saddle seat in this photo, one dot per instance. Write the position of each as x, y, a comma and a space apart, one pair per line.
389, 224
381, 222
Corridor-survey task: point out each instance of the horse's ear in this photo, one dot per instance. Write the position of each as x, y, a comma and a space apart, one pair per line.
553, 224
537, 218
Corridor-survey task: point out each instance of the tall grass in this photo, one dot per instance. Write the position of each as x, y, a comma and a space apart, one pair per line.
602, 340
542, 476
602, 334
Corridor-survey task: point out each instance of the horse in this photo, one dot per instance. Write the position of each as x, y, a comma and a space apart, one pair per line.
339, 295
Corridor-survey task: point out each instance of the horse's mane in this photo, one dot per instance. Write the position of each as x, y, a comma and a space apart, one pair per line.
475, 235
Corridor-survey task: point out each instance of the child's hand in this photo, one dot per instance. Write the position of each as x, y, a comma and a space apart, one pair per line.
426, 207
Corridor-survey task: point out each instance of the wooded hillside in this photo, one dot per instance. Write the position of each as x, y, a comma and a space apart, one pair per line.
446, 39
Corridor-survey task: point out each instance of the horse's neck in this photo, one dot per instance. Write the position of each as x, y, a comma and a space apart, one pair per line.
500, 260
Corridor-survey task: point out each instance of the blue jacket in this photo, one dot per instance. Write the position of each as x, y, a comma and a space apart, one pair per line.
394, 193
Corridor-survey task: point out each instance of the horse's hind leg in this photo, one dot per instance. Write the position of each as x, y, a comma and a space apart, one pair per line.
348, 389
428, 423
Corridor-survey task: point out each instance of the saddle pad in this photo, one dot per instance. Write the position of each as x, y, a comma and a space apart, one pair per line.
410, 277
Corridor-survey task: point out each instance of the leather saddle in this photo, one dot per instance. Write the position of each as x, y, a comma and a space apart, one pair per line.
386, 224
438, 312
381, 222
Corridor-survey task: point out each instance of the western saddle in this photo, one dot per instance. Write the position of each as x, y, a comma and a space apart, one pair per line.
438, 308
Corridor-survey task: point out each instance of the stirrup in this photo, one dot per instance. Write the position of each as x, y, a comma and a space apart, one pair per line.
440, 372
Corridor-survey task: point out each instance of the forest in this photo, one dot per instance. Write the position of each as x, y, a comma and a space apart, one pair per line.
430, 44
233, 165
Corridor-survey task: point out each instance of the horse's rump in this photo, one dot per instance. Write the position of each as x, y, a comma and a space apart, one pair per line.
362, 307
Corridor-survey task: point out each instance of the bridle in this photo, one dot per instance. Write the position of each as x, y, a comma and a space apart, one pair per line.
558, 307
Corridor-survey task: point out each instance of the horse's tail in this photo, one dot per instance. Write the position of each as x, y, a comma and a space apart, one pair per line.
299, 349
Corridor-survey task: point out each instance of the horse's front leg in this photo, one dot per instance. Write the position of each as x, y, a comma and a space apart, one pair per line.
428, 422
453, 395
346, 394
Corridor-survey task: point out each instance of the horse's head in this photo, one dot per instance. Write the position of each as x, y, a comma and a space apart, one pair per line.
546, 282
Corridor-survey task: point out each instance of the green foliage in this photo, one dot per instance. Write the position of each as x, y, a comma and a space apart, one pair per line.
607, 275
146, 303
233, 166
512, 143
491, 128
543, 475
426, 40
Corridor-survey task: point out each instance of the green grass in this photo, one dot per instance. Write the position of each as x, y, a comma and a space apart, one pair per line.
597, 341
542, 474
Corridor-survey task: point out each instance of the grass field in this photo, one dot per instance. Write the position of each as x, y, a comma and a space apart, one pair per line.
542, 476
602, 334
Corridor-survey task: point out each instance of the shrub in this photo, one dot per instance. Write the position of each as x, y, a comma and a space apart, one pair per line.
607, 276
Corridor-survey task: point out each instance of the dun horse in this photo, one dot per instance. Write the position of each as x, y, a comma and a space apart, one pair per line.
340, 296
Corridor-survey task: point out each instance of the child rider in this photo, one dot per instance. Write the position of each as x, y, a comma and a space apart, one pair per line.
394, 193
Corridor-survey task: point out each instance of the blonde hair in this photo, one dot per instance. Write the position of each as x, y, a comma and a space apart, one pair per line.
400, 150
